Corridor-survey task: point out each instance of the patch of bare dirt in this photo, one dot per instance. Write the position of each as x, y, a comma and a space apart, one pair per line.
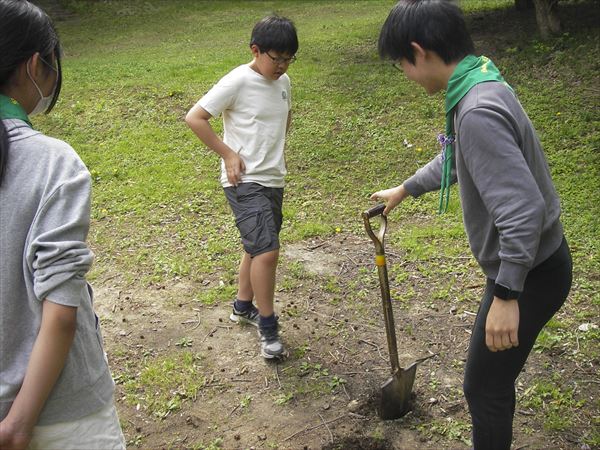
333, 332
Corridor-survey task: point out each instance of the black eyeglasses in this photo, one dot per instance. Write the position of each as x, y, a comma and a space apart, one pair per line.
281, 60
397, 66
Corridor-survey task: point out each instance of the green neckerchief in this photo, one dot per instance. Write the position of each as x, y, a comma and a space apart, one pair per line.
10, 109
469, 72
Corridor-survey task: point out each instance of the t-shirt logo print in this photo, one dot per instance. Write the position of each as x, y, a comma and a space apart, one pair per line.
284, 95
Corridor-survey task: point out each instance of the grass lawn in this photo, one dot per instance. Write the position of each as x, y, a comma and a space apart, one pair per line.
133, 69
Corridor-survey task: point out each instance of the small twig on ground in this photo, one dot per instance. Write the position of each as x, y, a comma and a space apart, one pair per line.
314, 247
208, 334
335, 358
351, 352
234, 410
314, 427
346, 392
374, 345
133, 345
369, 343
197, 323
277, 375
330, 433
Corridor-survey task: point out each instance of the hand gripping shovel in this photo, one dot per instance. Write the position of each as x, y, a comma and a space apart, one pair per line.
395, 392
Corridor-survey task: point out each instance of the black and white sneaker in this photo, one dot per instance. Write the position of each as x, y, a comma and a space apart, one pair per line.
249, 316
270, 343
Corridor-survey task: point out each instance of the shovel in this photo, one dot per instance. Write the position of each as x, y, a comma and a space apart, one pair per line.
395, 392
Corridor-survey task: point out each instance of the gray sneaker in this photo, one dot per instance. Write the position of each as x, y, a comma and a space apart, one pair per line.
249, 316
270, 343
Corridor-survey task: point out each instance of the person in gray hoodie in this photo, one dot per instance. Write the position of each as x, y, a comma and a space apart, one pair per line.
511, 210
56, 390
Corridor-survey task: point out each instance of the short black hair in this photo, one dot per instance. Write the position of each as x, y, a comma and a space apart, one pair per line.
436, 25
275, 33
24, 30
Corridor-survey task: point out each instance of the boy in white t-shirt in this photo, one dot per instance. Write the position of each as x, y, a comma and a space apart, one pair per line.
255, 101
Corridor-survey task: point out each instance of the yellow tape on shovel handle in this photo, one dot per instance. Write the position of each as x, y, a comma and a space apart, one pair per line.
380, 260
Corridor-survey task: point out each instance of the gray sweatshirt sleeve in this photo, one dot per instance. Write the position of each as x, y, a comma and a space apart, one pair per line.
507, 188
56, 252
428, 178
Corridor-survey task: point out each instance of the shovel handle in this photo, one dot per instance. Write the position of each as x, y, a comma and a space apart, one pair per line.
376, 238
374, 211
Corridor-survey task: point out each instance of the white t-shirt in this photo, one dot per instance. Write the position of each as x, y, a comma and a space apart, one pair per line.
255, 111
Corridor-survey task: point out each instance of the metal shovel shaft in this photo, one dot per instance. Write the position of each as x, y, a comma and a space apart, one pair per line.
388, 313
384, 284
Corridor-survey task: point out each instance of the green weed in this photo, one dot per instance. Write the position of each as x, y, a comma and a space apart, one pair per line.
163, 383
555, 402
450, 428
282, 399
245, 401
184, 342
220, 294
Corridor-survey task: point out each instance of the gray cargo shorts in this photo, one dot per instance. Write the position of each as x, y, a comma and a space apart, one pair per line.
258, 217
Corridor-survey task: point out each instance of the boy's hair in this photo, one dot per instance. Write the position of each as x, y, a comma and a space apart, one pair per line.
275, 33
436, 25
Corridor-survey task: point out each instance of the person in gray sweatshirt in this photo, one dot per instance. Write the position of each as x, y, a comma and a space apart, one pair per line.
511, 210
56, 390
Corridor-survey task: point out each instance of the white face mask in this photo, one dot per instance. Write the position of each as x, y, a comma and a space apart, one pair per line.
44, 102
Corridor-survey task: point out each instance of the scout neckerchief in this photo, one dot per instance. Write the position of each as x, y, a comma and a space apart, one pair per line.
10, 109
469, 72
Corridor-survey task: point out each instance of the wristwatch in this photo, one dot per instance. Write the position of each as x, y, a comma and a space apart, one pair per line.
504, 293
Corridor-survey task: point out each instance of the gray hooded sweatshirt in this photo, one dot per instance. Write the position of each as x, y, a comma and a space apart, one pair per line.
44, 221
511, 210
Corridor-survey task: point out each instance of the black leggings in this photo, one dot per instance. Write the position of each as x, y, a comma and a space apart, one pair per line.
489, 383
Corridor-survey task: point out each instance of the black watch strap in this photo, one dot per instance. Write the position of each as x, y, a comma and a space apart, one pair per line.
504, 293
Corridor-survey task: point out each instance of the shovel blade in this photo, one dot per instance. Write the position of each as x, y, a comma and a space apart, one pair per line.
395, 394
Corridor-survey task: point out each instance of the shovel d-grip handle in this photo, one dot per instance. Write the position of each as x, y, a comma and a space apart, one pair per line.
380, 262
376, 238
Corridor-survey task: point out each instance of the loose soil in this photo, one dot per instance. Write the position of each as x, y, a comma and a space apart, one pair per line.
329, 332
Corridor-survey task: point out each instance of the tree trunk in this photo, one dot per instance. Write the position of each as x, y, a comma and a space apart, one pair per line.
546, 17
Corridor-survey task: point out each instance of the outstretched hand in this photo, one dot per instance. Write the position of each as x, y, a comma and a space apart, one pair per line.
502, 325
391, 197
